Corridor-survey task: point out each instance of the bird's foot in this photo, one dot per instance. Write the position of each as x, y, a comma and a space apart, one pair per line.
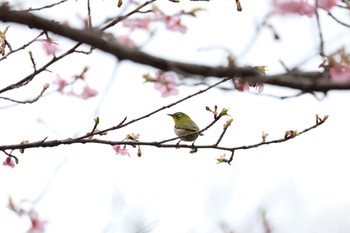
194, 149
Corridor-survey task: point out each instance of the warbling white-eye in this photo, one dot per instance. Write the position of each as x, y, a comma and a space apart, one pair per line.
185, 127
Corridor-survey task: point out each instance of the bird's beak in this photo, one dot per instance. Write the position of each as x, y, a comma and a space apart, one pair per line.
170, 115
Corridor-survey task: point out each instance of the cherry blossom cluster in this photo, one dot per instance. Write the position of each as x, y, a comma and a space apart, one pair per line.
172, 23
147, 23
49, 45
37, 224
302, 7
163, 82
245, 86
122, 149
86, 93
338, 66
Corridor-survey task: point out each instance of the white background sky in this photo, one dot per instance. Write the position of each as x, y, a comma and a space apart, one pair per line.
301, 184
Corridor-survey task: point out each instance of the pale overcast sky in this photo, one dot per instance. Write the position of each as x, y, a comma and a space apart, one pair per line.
301, 184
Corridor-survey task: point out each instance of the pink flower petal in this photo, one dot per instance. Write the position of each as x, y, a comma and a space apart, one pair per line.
340, 73
165, 83
300, 7
9, 162
173, 23
327, 4
38, 225
49, 45
138, 23
120, 150
88, 92
61, 83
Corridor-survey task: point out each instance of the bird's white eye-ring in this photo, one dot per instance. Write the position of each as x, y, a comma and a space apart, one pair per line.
179, 115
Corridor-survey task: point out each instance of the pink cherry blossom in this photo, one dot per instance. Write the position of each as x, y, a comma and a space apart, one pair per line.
300, 7
173, 23
165, 83
9, 162
138, 23
38, 225
340, 73
327, 4
49, 45
88, 92
61, 83
242, 86
126, 40
120, 150
245, 86
258, 86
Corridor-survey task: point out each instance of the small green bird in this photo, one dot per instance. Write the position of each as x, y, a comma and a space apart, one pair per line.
185, 127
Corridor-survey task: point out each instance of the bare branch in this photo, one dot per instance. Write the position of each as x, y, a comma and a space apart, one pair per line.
338, 21
22, 47
27, 101
83, 140
46, 7
320, 34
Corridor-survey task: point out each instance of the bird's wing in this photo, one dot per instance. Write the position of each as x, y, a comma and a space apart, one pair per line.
191, 129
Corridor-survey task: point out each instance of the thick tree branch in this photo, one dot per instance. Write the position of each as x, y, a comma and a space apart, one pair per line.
95, 38
305, 81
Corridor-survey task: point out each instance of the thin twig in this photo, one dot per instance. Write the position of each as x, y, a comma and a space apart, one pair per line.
221, 136
89, 14
22, 47
26, 101
338, 21
322, 54
45, 7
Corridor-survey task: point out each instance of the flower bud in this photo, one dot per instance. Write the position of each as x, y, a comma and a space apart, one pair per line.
139, 152
228, 123
224, 112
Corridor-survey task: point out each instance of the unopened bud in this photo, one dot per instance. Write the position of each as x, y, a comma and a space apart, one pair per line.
97, 120
239, 6
222, 159
139, 152
325, 117
86, 68
264, 136
22, 150
224, 112
290, 134
228, 123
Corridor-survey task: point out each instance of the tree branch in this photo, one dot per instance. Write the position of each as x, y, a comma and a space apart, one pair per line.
305, 81
82, 140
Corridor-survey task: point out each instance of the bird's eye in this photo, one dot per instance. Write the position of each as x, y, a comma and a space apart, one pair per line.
179, 115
